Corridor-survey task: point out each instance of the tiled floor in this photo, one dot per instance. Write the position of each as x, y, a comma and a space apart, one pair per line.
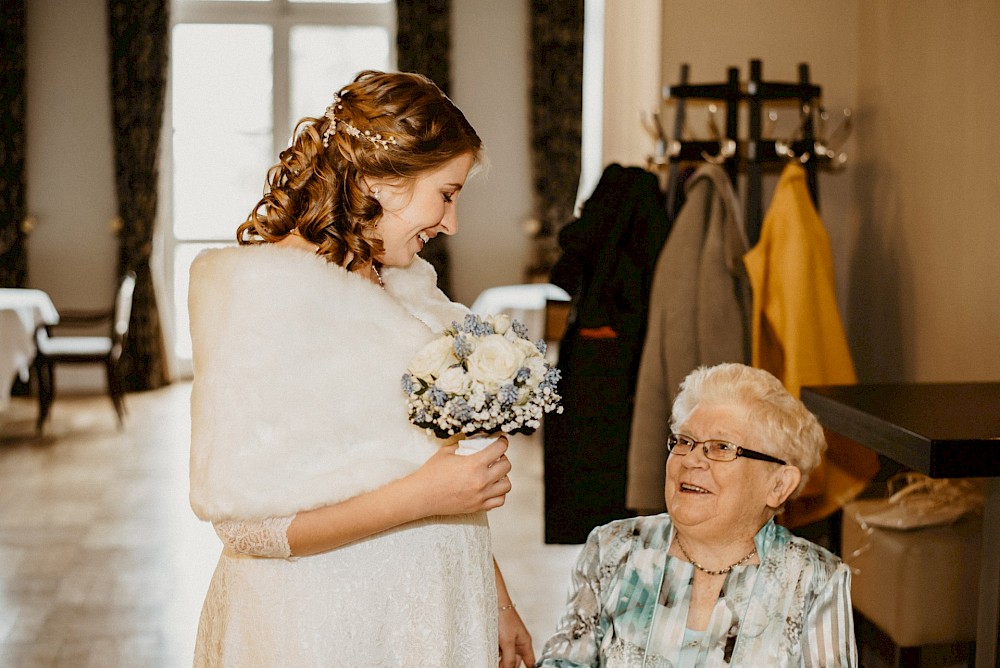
103, 564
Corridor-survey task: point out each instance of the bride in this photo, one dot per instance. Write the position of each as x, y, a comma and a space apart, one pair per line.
350, 537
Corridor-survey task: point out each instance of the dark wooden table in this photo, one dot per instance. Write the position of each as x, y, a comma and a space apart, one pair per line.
944, 430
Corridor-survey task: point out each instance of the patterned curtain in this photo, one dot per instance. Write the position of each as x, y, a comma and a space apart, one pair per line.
423, 39
556, 118
138, 32
423, 44
13, 260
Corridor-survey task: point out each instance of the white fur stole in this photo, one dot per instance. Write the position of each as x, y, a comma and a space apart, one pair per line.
297, 401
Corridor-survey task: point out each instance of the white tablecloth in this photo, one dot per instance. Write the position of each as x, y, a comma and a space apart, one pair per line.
21, 311
524, 302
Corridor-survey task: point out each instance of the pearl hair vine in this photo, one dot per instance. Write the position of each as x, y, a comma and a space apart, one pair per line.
331, 114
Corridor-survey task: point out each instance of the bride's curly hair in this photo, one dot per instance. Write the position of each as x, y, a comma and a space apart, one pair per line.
320, 189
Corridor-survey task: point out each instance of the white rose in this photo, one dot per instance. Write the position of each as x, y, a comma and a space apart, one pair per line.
529, 349
433, 359
538, 369
495, 361
454, 381
501, 323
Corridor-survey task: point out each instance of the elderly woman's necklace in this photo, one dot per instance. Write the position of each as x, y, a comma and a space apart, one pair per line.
709, 571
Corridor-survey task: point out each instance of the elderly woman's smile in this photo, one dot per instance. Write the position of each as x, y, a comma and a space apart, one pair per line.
686, 487
713, 498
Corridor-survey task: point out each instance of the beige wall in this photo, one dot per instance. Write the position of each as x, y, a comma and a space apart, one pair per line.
925, 276
914, 220
632, 78
72, 252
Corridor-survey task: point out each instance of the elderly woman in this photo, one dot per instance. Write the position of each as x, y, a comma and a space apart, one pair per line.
714, 581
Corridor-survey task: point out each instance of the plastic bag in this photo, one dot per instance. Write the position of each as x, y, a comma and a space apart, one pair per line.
916, 501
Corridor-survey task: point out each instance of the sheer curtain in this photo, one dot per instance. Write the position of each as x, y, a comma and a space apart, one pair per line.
13, 261
139, 41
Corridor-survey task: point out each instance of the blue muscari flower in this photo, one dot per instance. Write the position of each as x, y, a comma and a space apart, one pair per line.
476, 326
552, 376
410, 385
540, 344
462, 347
522, 375
519, 328
507, 395
460, 409
437, 396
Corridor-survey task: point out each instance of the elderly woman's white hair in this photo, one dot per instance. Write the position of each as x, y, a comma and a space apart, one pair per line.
776, 417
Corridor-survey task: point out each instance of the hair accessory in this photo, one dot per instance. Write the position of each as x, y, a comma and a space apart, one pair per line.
331, 113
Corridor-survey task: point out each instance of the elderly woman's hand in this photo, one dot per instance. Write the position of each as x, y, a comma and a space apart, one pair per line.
450, 484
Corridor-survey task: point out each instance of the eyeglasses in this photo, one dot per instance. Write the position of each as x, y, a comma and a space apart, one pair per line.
719, 451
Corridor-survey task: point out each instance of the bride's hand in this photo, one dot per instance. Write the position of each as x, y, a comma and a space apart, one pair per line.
451, 484
515, 641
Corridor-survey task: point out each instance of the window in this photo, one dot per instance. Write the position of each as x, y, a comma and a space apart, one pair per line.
242, 74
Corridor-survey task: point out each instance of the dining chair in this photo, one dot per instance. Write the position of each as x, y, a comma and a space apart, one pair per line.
100, 349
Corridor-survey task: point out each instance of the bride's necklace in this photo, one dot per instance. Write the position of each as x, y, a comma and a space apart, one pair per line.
709, 571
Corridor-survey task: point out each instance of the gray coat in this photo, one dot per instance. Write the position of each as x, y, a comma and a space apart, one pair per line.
699, 314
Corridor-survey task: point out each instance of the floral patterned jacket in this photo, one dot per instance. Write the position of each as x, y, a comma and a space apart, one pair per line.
629, 605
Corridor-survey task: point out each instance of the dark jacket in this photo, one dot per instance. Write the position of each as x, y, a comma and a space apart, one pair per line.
607, 264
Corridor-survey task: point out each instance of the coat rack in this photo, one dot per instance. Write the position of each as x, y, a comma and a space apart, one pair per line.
752, 154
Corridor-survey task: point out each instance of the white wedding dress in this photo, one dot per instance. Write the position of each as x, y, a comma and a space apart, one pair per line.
419, 595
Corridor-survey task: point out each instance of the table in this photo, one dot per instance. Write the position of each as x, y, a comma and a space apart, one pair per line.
525, 302
944, 430
22, 310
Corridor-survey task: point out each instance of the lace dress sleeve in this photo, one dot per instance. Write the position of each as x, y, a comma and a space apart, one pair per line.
257, 538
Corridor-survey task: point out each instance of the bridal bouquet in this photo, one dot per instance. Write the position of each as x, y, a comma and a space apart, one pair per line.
481, 376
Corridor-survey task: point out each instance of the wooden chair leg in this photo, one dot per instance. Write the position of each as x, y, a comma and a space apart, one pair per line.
46, 390
115, 389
